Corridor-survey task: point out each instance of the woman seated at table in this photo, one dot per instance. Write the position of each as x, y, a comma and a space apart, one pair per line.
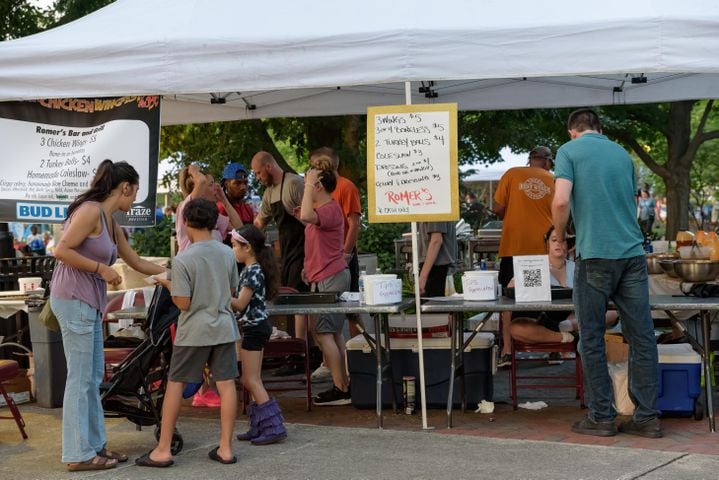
552, 326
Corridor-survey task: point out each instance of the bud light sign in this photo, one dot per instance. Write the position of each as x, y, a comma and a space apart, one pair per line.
41, 212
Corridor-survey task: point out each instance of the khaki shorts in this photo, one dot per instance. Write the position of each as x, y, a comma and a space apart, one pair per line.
188, 363
339, 282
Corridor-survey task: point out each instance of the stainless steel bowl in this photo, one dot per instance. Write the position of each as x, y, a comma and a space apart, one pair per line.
653, 260
668, 267
696, 270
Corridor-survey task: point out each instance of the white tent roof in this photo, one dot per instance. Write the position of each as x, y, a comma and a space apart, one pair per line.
301, 58
494, 171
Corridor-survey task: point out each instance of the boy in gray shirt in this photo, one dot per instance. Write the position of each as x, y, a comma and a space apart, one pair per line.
204, 277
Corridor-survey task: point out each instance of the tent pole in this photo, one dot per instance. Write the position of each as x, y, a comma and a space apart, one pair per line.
417, 305
491, 196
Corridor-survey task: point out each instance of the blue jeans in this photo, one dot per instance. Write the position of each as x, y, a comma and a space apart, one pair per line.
624, 282
83, 425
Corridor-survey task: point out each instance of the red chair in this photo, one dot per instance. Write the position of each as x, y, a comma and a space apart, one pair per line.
8, 371
284, 348
570, 347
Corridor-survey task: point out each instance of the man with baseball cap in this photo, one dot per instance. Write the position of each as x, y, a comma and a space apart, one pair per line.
234, 183
523, 201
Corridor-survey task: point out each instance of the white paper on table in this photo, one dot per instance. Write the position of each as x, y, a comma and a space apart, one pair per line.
152, 279
531, 278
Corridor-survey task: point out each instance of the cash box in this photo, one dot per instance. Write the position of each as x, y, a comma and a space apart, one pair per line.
478, 367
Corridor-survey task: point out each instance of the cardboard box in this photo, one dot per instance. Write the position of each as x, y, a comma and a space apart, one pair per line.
617, 349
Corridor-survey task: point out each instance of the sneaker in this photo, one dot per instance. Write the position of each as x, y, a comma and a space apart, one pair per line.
289, 369
504, 361
322, 374
333, 396
650, 428
555, 358
588, 426
209, 399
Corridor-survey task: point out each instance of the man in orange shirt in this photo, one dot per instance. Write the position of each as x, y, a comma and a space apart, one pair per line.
523, 201
348, 198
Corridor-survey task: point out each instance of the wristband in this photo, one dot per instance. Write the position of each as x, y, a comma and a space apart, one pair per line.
97, 267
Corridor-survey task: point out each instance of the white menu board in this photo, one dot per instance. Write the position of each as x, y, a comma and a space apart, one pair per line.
412, 173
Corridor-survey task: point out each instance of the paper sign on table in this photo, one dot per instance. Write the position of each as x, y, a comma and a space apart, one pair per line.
531, 278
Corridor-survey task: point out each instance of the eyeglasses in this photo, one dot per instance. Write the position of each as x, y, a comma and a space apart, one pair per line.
239, 238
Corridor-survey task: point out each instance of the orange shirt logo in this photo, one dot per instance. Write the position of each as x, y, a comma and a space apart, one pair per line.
534, 188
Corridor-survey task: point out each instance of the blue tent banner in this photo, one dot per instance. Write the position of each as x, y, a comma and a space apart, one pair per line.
52, 147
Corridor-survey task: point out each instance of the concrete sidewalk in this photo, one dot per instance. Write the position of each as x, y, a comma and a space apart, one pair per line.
333, 453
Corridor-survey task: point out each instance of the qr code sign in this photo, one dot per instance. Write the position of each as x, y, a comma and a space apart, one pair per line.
532, 278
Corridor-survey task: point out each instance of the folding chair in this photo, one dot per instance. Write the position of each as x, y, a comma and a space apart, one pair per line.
570, 347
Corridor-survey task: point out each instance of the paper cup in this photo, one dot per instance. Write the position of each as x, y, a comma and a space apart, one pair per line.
29, 283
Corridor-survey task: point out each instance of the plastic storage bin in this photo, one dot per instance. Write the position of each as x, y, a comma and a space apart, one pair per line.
50, 365
679, 380
405, 361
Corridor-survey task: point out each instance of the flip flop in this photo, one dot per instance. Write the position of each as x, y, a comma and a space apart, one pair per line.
146, 461
95, 463
120, 457
216, 457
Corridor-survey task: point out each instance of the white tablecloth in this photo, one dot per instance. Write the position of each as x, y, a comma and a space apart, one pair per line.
663, 284
8, 308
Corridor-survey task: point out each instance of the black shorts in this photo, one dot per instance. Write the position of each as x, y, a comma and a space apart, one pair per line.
254, 338
549, 320
436, 281
354, 272
291, 275
506, 271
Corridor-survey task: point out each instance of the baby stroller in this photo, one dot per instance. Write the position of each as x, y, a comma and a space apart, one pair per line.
137, 386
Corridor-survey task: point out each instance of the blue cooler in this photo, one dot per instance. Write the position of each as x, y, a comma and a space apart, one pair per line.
478, 368
679, 379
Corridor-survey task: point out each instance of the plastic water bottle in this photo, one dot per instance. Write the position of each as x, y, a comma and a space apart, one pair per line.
483, 264
362, 274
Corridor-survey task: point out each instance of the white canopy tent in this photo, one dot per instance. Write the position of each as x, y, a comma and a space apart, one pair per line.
214, 60
492, 173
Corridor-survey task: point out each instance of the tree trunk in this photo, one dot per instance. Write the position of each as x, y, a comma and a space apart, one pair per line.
677, 202
269, 145
679, 163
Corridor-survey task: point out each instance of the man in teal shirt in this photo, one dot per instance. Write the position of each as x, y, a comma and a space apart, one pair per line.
595, 178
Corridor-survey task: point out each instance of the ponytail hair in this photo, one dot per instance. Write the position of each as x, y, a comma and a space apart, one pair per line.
265, 257
109, 175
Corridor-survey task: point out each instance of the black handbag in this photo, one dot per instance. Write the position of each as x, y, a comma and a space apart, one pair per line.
703, 290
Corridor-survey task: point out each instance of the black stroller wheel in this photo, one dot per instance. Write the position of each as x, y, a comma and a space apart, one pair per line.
177, 441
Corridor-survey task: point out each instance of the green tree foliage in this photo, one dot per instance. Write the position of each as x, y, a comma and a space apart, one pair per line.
154, 241
19, 18
378, 238
667, 137
68, 10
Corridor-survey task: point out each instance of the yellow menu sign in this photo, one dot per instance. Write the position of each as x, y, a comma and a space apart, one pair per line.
412, 173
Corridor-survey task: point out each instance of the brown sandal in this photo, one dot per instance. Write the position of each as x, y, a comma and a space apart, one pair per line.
95, 463
120, 457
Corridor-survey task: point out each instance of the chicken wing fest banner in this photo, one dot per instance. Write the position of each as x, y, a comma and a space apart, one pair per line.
51, 150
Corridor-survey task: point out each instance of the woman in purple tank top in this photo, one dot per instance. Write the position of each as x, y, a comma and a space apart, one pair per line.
90, 244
